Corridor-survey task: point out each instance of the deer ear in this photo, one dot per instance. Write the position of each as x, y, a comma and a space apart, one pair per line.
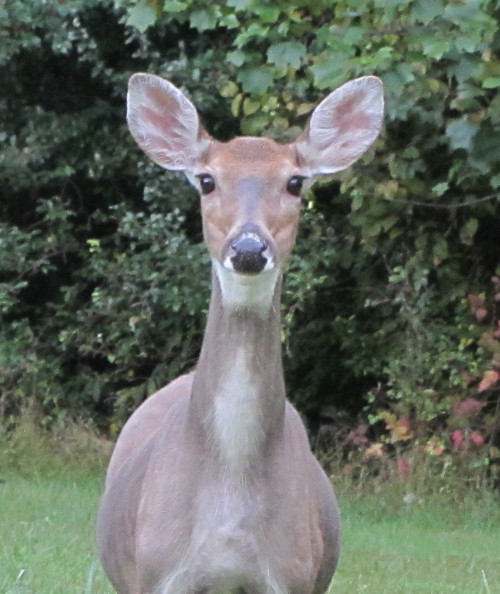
165, 123
343, 126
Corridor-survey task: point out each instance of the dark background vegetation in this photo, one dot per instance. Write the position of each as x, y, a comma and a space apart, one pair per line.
390, 309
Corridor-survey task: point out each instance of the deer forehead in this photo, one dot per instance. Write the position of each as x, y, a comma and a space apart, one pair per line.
251, 156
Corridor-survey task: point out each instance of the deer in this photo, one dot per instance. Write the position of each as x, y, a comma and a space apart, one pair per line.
212, 487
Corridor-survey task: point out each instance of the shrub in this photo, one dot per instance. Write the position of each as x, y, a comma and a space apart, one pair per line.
104, 281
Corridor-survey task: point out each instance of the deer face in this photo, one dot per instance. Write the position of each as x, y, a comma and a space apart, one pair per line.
250, 187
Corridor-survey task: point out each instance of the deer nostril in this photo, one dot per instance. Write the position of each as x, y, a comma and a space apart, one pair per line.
249, 253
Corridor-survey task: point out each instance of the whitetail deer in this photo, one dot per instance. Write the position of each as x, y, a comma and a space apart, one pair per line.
212, 487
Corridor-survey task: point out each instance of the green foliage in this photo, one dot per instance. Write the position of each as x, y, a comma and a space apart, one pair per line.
100, 295
103, 278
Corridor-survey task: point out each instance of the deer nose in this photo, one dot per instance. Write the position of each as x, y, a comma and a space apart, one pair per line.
248, 255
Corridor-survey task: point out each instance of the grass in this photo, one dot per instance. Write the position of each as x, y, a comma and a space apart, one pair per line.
49, 502
49, 491
430, 548
47, 543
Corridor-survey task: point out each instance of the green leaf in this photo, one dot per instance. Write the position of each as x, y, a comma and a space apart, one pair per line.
230, 89
467, 67
230, 21
268, 14
468, 231
204, 20
440, 189
436, 48
250, 107
289, 53
353, 35
253, 125
398, 78
174, 6
141, 16
463, 43
486, 147
328, 71
493, 82
256, 81
237, 57
357, 201
439, 249
426, 11
254, 30
391, 3
240, 4
236, 104
461, 134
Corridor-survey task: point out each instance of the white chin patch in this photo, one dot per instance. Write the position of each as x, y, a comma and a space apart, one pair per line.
246, 291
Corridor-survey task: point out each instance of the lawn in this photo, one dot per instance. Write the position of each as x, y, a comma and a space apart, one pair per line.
47, 543
389, 547
422, 548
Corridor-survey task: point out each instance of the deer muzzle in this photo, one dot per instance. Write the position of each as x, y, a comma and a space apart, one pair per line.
248, 257
249, 252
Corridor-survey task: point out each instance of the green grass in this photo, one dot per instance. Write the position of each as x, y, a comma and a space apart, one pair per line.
49, 492
47, 543
47, 516
432, 548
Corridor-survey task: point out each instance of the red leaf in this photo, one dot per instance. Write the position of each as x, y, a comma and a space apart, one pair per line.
476, 438
490, 377
357, 436
481, 313
476, 304
457, 437
434, 447
475, 301
467, 408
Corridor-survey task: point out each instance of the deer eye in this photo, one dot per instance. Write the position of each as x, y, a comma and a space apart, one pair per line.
207, 183
294, 185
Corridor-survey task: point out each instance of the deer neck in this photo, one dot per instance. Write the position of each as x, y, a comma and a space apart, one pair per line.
238, 398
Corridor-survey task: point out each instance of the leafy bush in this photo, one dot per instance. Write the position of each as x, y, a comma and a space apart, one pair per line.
105, 296
97, 246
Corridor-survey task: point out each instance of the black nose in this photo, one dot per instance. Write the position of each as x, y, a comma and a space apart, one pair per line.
248, 257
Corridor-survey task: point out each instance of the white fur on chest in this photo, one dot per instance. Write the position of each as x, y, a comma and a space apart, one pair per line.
237, 417
227, 552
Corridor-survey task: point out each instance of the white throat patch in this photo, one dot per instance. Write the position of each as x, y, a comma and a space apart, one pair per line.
237, 420
241, 291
